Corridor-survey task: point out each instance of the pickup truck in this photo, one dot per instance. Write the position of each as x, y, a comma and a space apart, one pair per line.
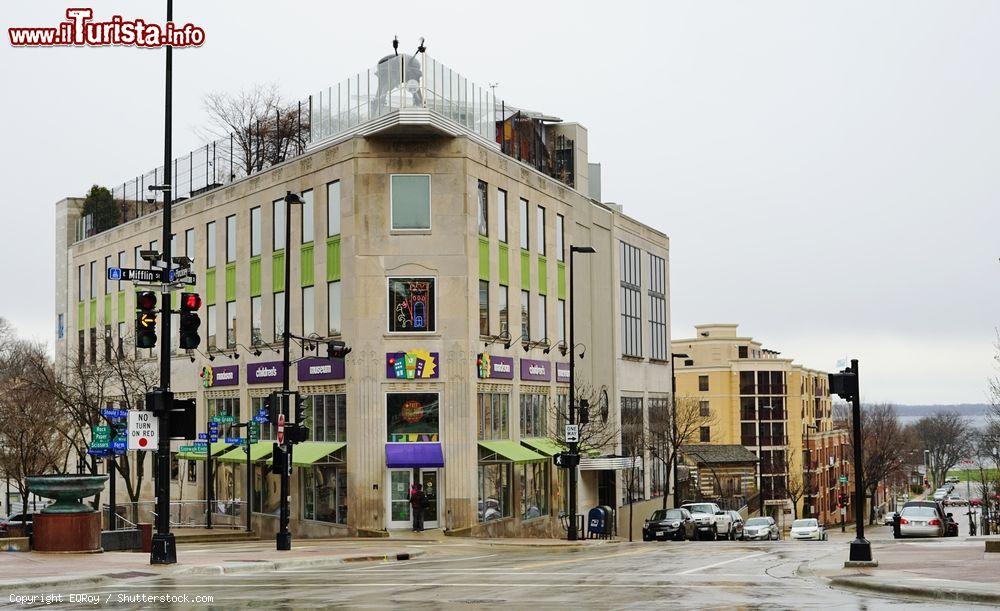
710, 521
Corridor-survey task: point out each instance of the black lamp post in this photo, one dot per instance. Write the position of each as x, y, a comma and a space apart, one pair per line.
673, 427
807, 475
574, 446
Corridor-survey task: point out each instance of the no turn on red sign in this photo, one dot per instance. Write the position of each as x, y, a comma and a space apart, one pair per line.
143, 430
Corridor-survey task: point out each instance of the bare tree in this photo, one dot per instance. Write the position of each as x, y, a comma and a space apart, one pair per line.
634, 442
946, 436
265, 129
599, 431
666, 435
883, 450
796, 486
29, 441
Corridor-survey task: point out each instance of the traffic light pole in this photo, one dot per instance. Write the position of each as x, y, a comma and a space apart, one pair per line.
164, 547
574, 448
283, 539
861, 549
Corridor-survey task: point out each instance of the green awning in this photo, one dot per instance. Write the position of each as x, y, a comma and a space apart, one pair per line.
217, 449
258, 452
544, 445
309, 452
512, 451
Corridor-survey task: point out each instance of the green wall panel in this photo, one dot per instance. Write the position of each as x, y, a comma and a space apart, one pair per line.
308, 271
543, 276
333, 258
255, 276
278, 272
210, 286
484, 258
504, 265
525, 270
230, 281
121, 306
561, 279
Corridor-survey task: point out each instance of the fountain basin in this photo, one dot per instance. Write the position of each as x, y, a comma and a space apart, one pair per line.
66, 491
67, 526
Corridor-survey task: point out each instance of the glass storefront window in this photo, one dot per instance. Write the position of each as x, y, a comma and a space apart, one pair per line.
534, 490
324, 493
534, 415
493, 409
494, 491
412, 417
326, 417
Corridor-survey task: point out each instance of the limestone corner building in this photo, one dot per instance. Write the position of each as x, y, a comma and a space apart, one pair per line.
434, 240
777, 409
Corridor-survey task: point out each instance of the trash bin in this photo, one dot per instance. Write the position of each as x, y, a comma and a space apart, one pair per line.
146, 537
610, 521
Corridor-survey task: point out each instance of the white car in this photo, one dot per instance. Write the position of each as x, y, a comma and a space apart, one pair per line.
940, 494
808, 529
923, 520
710, 521
761, 529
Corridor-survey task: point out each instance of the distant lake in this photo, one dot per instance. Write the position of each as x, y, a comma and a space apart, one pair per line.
978, 421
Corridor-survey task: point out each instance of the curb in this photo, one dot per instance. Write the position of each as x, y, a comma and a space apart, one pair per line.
235, 568
945, 594
577, 545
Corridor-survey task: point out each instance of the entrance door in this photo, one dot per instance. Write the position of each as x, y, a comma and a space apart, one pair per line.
400, 481
429, 480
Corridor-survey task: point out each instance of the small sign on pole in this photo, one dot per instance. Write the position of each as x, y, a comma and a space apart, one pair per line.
843, 479
143, 430
572, 433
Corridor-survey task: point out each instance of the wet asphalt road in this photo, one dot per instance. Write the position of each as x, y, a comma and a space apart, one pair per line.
691, 575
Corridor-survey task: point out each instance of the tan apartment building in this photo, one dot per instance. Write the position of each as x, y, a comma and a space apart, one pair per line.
434, 240
775, 408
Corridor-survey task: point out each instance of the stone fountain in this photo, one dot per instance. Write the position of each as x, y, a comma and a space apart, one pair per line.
67, 525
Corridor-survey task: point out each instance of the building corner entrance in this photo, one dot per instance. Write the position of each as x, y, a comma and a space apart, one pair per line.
401, 482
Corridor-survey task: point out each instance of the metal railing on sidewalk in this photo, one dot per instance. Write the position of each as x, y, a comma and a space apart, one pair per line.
188, 513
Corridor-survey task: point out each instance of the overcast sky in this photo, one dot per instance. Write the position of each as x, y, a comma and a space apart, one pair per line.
826, 171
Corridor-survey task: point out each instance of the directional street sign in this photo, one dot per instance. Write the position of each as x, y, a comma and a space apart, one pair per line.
196, 449
143, 430
234, 440
114, 413
572, 433
203, 444
843, 479
135, 275
223, 419
202, 435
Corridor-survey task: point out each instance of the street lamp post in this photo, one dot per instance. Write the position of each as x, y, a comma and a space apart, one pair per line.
807, 506
673, 428
574, 446
847, 386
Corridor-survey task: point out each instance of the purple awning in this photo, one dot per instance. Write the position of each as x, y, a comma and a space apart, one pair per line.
413, 455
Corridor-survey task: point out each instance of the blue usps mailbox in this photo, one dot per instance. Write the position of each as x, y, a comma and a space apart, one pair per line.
597, 522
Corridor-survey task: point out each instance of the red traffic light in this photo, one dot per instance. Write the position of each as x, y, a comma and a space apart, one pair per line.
190, 302
145, 300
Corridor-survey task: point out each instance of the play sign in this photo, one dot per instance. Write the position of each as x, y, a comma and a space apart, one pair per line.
143, 430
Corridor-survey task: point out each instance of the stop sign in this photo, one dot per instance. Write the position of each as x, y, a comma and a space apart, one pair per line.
281, 429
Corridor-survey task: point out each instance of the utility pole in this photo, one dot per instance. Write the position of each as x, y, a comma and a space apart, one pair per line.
283, 540
846, 385
164, 549
574, 446
673, 428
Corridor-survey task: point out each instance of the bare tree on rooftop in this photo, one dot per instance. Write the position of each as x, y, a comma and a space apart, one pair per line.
265, 129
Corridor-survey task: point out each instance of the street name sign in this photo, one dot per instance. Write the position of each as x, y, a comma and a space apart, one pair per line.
143, 430
195, 449
843, 479
136, 275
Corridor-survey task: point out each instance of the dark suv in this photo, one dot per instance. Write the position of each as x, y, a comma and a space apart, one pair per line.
664, 524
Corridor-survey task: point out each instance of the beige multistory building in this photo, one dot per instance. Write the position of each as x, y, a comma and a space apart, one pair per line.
434, 239
774, 407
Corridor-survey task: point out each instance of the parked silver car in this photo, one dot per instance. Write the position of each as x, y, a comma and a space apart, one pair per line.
924, 520
761, 529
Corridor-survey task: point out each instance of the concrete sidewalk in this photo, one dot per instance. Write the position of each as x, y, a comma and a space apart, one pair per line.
945, 570
27, 570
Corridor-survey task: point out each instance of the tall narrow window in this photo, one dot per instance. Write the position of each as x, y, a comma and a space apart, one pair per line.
307, 217
255, 315
230, 324
540, 229
658, 308
504, 315
630, 303
210, 245
542, 332
525, 244
255, 231
93, 279
525, 315
333, 307
122, 262
230, 238
81, 290
484, 307
308, 311
279, 315
210, 314
333, 208
560, 238
410, 205
502, 215
278, 224
561, 320
189, 247
484, 210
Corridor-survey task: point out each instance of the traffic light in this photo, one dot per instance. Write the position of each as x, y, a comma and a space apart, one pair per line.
145, 319
336, 349
844, 384
566, 460
296, 433
279, 460
584, 416
272, 405
190, 321
300, 408
182, 423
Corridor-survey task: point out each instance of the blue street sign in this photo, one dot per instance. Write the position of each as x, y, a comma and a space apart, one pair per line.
213, 425
114, 413
234, 440
97, 451
114, 273
261, 419
201, 443
202, 435
119, 445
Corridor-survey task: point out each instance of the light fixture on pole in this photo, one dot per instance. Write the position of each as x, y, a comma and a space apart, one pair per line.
673, 428
574, 446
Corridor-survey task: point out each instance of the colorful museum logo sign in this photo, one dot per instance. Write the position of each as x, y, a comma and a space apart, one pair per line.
411, 365
495, 367
223, 375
